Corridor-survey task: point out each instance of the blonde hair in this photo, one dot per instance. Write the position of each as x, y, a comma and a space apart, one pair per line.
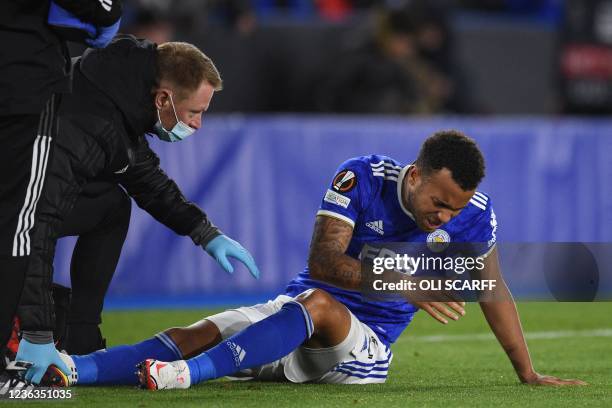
186, 67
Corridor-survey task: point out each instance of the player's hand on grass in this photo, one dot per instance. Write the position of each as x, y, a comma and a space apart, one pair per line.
549, 380
443, 310
222, 247
41, 356
439, 304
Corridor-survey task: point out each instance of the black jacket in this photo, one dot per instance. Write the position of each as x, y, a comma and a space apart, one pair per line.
115, 84
34, 59
108, 112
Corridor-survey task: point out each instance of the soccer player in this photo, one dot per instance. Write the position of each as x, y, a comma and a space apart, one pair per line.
322, 329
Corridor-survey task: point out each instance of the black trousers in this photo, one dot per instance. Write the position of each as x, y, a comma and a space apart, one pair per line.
46, 192
100, 219
76, 160
25, 145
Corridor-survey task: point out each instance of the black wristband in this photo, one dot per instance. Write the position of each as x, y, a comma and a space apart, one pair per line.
204, 232
38, 336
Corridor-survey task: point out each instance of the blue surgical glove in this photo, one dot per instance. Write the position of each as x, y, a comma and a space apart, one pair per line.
104, 35
42, 356
222, 247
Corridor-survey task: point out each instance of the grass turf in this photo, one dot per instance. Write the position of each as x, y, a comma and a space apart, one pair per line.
456, 369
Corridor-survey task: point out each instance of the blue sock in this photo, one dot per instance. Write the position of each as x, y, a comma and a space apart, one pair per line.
117, 365
263, 342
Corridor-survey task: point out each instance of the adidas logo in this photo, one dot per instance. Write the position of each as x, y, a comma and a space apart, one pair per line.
376, 226
106, 4
237, 351
123, 170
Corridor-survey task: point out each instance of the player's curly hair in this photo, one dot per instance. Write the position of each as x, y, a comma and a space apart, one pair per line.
455, 151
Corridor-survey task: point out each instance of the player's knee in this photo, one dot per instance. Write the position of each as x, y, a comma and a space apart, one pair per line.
321, 306
331, 319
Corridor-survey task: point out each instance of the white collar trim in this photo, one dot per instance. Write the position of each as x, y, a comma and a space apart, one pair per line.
400, 183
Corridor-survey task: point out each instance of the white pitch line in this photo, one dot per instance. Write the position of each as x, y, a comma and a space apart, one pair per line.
530, 336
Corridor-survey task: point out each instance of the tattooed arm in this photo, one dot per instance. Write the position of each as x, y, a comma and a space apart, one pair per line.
327, 260
329, 263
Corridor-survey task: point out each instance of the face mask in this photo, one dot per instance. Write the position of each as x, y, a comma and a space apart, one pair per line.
179, 132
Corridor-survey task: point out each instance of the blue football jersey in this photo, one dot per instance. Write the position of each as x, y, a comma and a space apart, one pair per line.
366, 193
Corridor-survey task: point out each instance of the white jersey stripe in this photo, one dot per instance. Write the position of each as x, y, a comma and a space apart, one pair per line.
480, 200
384, 163
385, 171
478, 204
484, 197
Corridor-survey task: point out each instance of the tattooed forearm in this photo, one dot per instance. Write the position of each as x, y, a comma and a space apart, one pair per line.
327, 260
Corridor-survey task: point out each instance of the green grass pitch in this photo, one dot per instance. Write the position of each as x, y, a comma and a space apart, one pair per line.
433, 366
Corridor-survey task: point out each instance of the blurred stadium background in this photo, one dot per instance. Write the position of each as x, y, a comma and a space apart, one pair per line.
310, 83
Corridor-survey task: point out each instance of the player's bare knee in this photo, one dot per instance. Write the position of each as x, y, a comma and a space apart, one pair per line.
315, 299
321, 306
331, 319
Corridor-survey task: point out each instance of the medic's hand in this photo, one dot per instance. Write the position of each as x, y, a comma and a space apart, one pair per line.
222, 247
41, 356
